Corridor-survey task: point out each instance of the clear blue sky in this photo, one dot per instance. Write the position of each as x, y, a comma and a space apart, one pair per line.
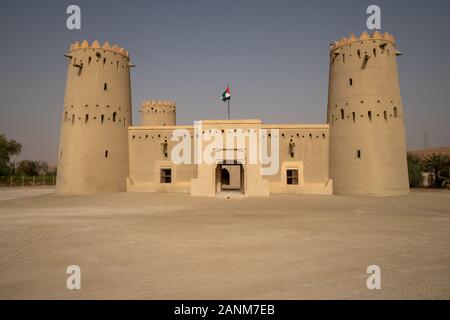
274, 54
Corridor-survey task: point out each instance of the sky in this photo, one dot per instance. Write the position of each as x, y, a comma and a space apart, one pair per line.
274, 54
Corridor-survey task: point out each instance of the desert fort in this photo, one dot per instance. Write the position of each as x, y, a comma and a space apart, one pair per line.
360, 150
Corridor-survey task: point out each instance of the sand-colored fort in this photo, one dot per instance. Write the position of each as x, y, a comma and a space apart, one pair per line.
359, 151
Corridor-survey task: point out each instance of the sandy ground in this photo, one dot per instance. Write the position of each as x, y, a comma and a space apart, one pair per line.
19, 192
172, 246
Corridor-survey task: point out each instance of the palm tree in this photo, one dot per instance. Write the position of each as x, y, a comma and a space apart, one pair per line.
414, 170
435, 163
444, 174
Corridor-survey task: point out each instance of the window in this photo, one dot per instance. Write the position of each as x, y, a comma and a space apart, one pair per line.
106, 153
369, 114
342, 114
350, 81
395, 112
291, 148
385, 115
358, 154
166, 175
86, 118
65, 116
353, 116
105, 86
114, 116
103, 118
164, 148
73, 118
292, 176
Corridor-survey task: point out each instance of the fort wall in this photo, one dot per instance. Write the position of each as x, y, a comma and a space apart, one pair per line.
150, 151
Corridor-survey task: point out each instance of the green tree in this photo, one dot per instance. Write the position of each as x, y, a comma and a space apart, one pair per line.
28, 168
13, 167
8, 148
32, 168
414, 170
434, 164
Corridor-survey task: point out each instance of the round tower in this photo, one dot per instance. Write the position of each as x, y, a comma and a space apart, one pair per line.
93, 151
158, 113
365, 114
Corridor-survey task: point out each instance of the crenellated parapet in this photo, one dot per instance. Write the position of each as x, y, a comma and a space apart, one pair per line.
158, 103
96, 45
365, 36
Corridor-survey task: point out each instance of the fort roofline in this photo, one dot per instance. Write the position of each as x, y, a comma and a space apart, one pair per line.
96, 45
235, 122
363, 37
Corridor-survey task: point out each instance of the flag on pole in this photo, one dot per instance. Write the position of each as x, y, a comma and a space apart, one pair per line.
226, 95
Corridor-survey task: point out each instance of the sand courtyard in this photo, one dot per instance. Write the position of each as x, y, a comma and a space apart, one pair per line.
172, 246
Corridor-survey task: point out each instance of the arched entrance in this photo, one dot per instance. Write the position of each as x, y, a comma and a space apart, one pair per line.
224, 177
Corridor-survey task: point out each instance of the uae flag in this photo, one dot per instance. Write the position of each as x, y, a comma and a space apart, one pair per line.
226, 95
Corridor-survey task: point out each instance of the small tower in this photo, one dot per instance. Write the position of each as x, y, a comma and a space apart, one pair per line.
158, 113
365, 114
93, 151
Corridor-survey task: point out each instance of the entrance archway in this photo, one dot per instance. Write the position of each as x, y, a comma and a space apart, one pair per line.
224, 177
230, 177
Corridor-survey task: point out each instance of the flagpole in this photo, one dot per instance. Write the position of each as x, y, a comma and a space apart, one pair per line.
229, 102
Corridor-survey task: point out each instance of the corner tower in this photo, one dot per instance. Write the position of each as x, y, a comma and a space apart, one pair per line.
158, 113
365, 114
93, 150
